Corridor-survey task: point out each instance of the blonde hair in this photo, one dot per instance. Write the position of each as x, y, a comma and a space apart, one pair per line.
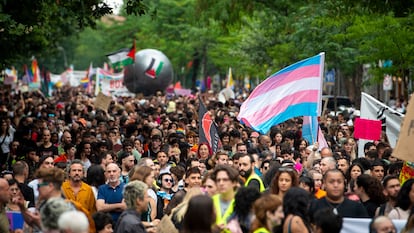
179, 211
176, 150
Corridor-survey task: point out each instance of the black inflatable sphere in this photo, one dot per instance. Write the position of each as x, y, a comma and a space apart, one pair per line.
151, 72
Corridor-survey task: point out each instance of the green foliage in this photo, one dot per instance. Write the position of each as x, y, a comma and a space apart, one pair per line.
36, 28
255, 38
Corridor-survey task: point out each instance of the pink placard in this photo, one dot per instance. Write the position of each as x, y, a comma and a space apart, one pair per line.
367, 129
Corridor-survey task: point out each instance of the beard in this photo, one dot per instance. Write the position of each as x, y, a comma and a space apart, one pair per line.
76, 178
245, 174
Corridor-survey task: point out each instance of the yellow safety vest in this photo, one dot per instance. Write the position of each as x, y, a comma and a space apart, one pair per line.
261, 230
255, 177
220, 217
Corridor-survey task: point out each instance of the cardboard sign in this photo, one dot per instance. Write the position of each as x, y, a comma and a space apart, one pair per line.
404, 150
102, 101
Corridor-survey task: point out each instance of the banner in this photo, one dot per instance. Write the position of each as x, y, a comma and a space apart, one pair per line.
111, 84
361, 225
374, 109
403, 150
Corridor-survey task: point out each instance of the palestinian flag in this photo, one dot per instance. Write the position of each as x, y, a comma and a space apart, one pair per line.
122, 58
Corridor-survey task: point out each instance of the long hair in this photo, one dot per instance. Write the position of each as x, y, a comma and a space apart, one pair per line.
243, 203
296, 202
210, 151
179, 211
95, 175
372, 188
199, 215
409, 226
274, 187
265, 203
141, 173
403, 198
348, 173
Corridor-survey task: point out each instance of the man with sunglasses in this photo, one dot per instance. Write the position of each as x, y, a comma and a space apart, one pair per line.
165, 194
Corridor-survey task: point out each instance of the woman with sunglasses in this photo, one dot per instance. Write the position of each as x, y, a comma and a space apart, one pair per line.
284, 179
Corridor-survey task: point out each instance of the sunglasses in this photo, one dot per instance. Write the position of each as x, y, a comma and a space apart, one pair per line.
285, 169
169, 180
42, 184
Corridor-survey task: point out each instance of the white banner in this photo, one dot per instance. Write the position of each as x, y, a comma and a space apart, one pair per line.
361, 225
111, 84
374, 109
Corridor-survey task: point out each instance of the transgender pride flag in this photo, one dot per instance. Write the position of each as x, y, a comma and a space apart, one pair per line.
293, 91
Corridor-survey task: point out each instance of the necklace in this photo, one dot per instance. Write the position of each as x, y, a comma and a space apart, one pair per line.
334, 206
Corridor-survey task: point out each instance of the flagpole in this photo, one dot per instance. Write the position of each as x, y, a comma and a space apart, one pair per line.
322, 65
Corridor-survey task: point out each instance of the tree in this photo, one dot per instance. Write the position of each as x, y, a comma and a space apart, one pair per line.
32, 28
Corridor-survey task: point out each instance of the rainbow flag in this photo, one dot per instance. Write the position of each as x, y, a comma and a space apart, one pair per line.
33, 75
293, 91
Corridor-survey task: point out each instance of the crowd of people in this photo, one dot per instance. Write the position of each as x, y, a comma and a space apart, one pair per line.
140, 166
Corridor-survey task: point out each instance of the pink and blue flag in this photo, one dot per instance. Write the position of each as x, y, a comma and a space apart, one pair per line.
293, 91
310, 128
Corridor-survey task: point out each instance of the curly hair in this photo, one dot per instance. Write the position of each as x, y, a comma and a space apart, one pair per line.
296, 202
372, 187
274, 187
243, 202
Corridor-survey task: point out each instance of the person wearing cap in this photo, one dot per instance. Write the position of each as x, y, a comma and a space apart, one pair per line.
246, 170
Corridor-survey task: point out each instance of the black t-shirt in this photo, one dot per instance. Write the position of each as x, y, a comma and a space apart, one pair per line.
52, 150
346, 209
371, 207
28, 193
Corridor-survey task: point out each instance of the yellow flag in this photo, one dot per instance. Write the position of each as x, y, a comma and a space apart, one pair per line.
230, 81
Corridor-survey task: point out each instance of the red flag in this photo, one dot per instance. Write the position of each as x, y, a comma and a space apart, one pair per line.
208, 132
367, 129
131, 53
